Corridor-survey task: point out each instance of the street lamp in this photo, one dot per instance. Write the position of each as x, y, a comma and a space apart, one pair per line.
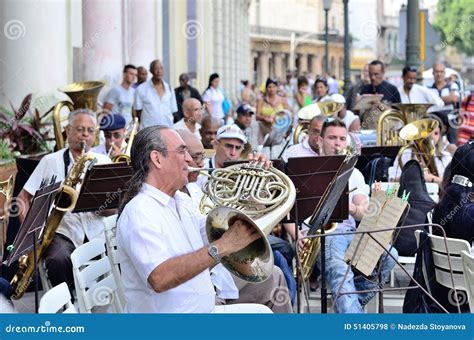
347, 67
327, 7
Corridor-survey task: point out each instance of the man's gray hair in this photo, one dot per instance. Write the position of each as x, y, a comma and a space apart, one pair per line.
77, 112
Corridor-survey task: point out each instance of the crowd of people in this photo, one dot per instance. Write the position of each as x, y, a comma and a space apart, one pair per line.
167, 262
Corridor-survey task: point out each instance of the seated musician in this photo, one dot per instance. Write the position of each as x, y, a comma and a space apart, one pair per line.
309, 147
164, 261
114, 131
229, 288
333, 140
74, 228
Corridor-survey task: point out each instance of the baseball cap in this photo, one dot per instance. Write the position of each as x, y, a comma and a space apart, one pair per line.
245, 108
112, 122
231, 131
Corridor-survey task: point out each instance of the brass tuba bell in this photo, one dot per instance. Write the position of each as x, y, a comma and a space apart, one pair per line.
391, 121
84, 96
418, 135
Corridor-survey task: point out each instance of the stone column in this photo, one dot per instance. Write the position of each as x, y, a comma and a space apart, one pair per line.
34, 48
279, 67
143, 30
315, 65
102, 40
303, 63
263, 63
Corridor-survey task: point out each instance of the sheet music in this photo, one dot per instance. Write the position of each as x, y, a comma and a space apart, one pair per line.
369, 251
368, 223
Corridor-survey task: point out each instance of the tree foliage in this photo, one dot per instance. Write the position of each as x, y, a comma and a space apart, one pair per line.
455, 21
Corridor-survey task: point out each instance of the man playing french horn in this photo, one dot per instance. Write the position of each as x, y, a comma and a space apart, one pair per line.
74, 229
164, 261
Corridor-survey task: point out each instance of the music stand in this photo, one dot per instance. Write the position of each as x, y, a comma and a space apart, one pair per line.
329, 174
368, 153
30, 233
103, 187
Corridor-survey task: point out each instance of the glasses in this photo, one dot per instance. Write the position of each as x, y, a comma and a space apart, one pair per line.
82, 129
116, 135
202, 109
198, 157
182, 150
231, 147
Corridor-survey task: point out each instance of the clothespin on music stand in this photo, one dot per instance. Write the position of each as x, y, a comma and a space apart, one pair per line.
405, 196
377, 186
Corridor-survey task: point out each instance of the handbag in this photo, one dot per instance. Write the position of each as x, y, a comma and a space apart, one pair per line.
226, 104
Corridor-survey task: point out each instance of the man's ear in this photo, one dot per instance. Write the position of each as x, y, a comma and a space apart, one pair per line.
156, 159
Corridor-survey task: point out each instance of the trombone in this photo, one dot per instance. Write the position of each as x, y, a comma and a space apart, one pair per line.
125, 156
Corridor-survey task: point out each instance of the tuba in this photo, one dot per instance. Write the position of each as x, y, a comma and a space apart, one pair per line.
83, 96
418, 135
125, 157
261, 197
65, 201
391, 121
327, 108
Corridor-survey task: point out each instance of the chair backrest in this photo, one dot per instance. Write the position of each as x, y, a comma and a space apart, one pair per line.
57, 300
93, 279
447, 260
468, 263
112, 252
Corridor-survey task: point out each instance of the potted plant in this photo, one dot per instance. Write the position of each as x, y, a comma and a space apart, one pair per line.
22, 134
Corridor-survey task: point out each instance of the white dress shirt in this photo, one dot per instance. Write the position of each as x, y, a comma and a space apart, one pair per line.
181, 125
100, 149
155, 110
75, 226
153, 228
299, 150
420, 95
441, 163
220, 276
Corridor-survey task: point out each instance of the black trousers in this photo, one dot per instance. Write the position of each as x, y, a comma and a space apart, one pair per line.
58, 261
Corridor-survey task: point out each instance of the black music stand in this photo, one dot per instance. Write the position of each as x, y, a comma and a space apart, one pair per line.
369, 153
104, 187
30, 233
321, 179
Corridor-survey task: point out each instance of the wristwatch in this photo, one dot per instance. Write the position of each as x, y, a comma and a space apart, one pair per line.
213, 251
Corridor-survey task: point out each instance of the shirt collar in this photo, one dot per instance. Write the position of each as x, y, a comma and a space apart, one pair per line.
159, 195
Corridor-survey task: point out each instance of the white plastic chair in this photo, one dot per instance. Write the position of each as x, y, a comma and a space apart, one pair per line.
94, 282
57, 299
112, 253
442, 261
468, 264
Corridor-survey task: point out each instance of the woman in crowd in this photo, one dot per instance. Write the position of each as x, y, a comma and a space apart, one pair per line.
321, 90
248, 95
214, 99
302, 96
268, 107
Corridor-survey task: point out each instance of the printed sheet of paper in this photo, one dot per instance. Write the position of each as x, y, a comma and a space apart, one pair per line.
368, 223
391, 213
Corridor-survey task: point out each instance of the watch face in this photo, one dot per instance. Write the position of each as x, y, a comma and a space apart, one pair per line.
214, 252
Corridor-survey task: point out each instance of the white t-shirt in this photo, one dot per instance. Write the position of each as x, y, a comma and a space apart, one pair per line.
215, 98
153, 228
155, 110
100, 149
450, 88
420, 95
349, 118
181, 125
122, 101
74, 226
441, 163
357, 182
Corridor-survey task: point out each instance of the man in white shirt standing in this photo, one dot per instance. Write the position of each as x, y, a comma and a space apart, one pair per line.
165, 264
450, 95
192, 111
155, 100
120, 98
412, 93
74, 228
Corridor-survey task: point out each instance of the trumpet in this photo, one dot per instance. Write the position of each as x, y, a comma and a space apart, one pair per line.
125, 157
